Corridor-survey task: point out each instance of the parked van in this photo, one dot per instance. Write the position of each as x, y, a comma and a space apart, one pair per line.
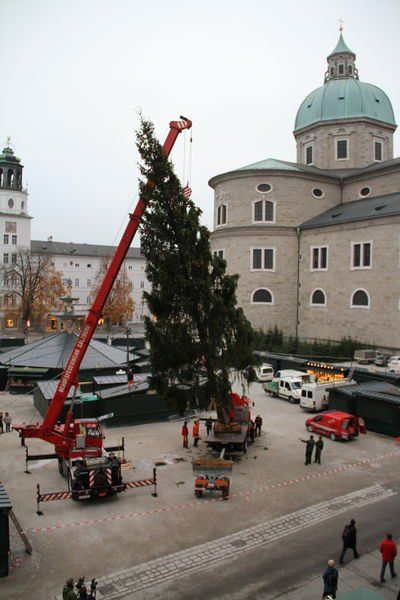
315, 396
265, 372
365, 356
335, 424
285, 387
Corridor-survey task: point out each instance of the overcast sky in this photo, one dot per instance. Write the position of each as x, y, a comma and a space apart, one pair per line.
73, 72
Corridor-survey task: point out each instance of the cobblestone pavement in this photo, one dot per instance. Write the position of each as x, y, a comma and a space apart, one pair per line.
195, 559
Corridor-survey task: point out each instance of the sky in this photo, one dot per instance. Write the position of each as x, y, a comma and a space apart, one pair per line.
75, 72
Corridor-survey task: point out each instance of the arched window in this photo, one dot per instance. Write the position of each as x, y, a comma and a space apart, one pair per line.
318, 298
1, 177
221, 214
263, 211
262, 296
360, 299
10, 178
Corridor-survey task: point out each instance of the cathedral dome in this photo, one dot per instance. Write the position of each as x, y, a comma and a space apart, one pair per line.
345, 98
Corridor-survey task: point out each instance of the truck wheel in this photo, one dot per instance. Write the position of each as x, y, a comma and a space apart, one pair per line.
309, 428
333, 437
291, 399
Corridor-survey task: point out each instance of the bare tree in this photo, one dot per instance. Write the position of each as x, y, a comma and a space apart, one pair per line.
33, 286
120, 304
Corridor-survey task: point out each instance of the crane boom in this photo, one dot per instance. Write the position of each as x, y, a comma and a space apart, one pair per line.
69, 377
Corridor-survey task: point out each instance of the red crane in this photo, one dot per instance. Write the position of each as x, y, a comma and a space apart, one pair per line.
82, 438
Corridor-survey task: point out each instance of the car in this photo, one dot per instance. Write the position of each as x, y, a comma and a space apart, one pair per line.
393, 364
335, 424
381, 360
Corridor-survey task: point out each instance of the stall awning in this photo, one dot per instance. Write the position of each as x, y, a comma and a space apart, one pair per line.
27, 372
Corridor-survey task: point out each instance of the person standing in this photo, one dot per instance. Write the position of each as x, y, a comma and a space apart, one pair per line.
68, 591
330, 578
185, 435
7, 422
196, 432
319, 444
349, 537
1, 423
388, 550
258, 423
309, 448
209, 423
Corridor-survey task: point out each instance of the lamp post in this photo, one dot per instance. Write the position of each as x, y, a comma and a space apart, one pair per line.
128, 332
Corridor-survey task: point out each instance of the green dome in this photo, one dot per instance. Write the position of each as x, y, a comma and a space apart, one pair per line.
345, 98
8, 155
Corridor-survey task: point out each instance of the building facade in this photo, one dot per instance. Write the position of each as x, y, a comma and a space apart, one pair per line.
317, 242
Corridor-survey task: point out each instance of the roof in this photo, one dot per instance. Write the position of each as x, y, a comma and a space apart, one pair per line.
5, 503
93, 250
345, 98
109, 379
271, 163
8, 155
359, 210
48, 389
54, 352
379, 390
341, 48
123, 390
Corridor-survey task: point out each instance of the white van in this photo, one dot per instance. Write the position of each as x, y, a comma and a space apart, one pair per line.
265, 372
365, 356
315, 396
285, 387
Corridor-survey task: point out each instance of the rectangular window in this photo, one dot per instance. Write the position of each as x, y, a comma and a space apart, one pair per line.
309, 155
142, 284
341, 149
89, 283
350, 68
263, 259
319, 258
76, 282
378, 151
5, 258
77, 264
14, 259
341, 69
88, 265
362, 255
65, 282
14, 240
6, 238
219, 253
221, 214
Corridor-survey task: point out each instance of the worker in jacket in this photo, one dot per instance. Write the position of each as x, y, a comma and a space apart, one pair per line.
258, 424
309, 448
185, 435
389, 552
209, 424
319, 444
196, 432
68, 591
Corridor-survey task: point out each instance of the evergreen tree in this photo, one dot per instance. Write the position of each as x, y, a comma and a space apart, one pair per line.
196, 332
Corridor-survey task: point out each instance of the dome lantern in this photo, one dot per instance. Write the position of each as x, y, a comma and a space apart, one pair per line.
341, 62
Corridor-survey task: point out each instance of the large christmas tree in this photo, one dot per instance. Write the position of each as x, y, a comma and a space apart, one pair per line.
197, 334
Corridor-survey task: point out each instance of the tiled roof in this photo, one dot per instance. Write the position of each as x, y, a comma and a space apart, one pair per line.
65, 249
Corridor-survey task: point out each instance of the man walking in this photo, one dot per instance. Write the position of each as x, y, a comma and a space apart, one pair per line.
258, 424
319, 444
389, 552
309, 448
349, 537
330, 577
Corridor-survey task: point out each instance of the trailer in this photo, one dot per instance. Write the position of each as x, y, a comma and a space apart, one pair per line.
212, 474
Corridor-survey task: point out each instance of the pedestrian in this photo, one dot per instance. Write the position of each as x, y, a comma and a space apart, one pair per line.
209, 423
68, 591
319, 444
349, 537
309, 448
389, 552
258, 423
196, 432
330, 577
185, 435
7, 422
1, 423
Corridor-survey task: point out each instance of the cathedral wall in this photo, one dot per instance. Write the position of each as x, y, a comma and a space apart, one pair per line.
380, 184
380, 323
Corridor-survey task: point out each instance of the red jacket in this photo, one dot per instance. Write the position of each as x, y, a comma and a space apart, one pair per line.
388, 550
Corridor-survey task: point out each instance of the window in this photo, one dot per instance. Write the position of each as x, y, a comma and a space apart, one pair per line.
22, 205
219, 253
88, 300
378, 151
309, 155
318, 193
350, 68
5, 239
262, 296
65, 282
14, 240
319, 258
341, 69
263, 259
263, 211
77, 264
89, 283
318, 298
264, 188
14, 259
221, 214
360, 299
88, 265
341, 150
364, 192
332, 70
76, 282
5, 258
130, 267
361, 255
10, 203
142, 284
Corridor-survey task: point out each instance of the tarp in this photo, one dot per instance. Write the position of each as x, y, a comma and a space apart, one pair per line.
362, 594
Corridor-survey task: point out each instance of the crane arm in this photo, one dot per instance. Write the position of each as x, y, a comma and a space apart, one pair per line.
70, 374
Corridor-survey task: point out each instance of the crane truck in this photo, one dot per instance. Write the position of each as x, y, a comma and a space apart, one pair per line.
91, 469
